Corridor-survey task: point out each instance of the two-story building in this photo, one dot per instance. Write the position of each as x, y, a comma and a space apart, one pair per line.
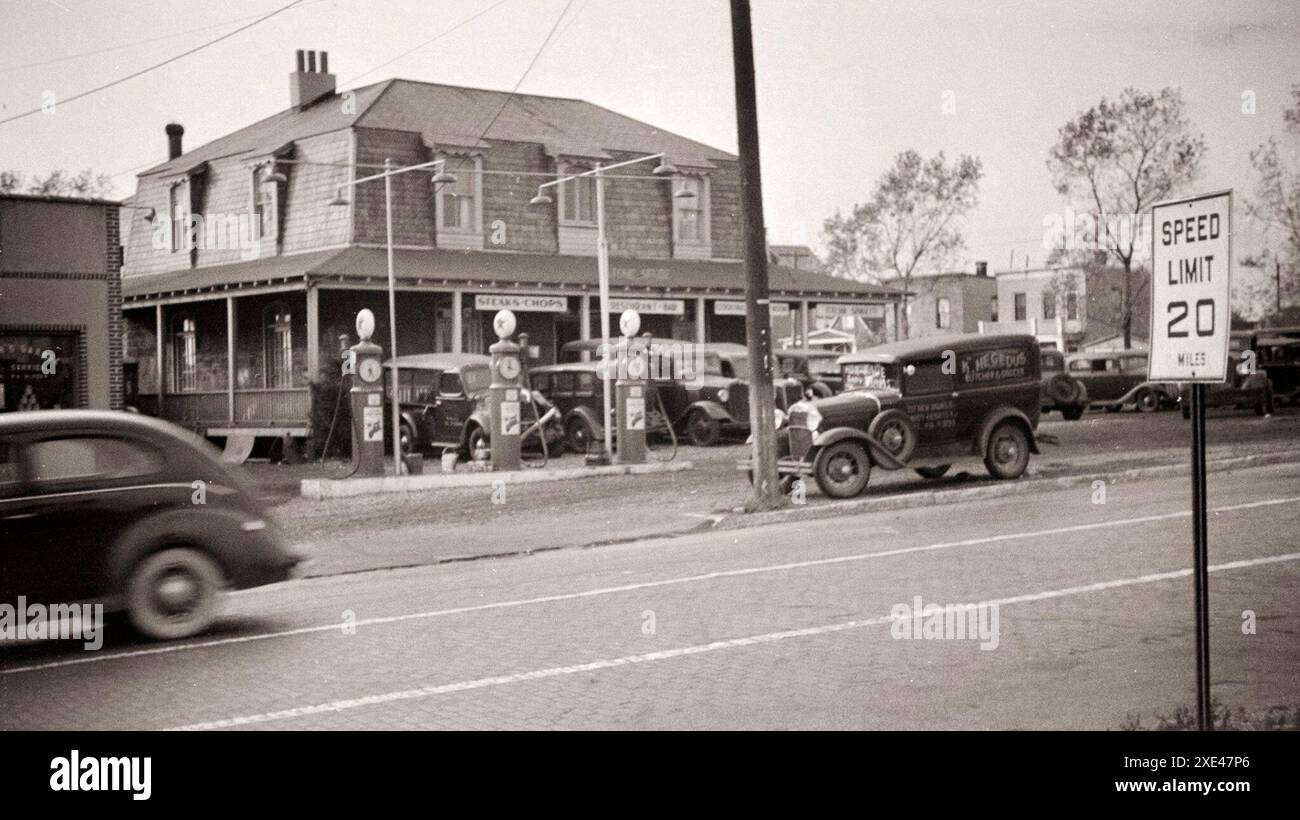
1050, 303
944, 303
247, 263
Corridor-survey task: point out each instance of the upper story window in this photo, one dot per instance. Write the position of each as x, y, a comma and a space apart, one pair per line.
690, 210
1072, 305
264, 196
178, 211
458, 202
942, 312
578, 198
1049, 305
1020, 307
993, 309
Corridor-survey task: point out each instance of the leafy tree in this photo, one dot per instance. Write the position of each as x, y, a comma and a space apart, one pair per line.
59, 183
1120, 157
908, 224
1277, 204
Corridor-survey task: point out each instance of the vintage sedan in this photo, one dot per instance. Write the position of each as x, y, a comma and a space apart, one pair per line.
1277, 352
444, 405
817, 370
1247, 386
1118, 379
575, 389
920, 404
704, 387
130, 512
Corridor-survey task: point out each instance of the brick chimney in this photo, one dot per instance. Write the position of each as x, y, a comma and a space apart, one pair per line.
174, 133
308, 84
981, 268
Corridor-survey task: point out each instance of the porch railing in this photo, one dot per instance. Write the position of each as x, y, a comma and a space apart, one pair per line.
281, 407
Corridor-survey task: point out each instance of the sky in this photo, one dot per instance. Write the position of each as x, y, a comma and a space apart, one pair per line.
843, 85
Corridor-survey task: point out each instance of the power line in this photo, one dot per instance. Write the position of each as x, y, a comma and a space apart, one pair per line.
156, 66
430, 41
65, 58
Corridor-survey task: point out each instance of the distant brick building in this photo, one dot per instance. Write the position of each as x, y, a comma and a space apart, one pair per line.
230, 321
60, 303
945, 303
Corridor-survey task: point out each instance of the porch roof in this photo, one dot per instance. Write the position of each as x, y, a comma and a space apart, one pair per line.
486, 270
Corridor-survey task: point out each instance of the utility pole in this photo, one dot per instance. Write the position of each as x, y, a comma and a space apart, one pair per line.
758, 330
1277, 272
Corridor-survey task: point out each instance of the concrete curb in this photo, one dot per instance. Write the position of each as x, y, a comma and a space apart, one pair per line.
319, 489
731, 521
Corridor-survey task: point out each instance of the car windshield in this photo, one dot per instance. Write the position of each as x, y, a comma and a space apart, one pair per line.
870, 375
823, 366
476, 378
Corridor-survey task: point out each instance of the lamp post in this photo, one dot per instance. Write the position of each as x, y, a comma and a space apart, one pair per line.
440, 178
662, 170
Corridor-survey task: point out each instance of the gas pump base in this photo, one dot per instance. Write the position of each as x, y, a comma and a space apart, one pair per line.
318, 489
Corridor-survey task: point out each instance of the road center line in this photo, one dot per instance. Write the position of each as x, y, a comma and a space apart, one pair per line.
686, 651
614, 590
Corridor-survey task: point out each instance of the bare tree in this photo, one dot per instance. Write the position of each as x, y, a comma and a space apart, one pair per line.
59, 183
1120, 157
1277, 205
908, 224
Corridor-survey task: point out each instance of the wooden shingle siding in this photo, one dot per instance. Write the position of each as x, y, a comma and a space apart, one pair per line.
524, 228
412, 192
307, 220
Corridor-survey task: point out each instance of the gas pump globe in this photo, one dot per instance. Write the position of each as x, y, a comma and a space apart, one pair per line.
504, 395
367, 398
629, 393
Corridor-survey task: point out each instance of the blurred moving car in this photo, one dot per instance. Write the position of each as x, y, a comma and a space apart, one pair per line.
444, 404
920, 404
1117, 379
817, 370
1277, 353
1058, 389
130, 512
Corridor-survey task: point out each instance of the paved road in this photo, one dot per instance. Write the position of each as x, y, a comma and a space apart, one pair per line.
776, 627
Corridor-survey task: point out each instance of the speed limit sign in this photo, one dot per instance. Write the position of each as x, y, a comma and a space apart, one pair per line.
1191, 289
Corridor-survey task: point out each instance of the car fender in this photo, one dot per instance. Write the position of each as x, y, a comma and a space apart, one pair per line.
714, 410
217, 530
838, 434
478, 418
588, 415
996, 417
410, 418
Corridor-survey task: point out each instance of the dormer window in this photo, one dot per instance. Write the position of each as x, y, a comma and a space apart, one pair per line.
459, 205
577, 198
691, 217
178, 211
264, 199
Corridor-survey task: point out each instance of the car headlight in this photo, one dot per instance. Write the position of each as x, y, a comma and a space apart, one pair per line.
723, 395
812, 416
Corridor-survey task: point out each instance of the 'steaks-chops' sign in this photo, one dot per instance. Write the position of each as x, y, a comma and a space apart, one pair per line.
1191, 288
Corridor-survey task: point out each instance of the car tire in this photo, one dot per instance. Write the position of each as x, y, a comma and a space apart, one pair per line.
578, 435
842, 469
1072, 413
934, 473
406, 439
896, 432
703, 430
1007, 454
472, 439
1147, 401
1063, 389
174, 593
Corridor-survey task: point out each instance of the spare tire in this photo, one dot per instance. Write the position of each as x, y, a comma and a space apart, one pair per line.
1063, 389
896, 433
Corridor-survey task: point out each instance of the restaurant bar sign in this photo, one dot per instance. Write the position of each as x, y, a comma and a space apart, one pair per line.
543, 304
1191, 289
669, 307
826, 310
730, 308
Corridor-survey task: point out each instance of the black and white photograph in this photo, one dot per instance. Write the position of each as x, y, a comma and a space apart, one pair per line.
650, 365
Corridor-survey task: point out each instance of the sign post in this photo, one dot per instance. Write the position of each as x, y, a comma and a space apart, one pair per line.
1191, 317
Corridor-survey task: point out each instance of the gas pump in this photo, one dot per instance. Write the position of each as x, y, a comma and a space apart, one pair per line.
629, 393
367, 399
504, 395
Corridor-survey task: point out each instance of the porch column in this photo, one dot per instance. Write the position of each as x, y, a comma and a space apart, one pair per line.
230, 359
457, 321
313, 336
701, 321
158, 339
803, 324
584, 321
